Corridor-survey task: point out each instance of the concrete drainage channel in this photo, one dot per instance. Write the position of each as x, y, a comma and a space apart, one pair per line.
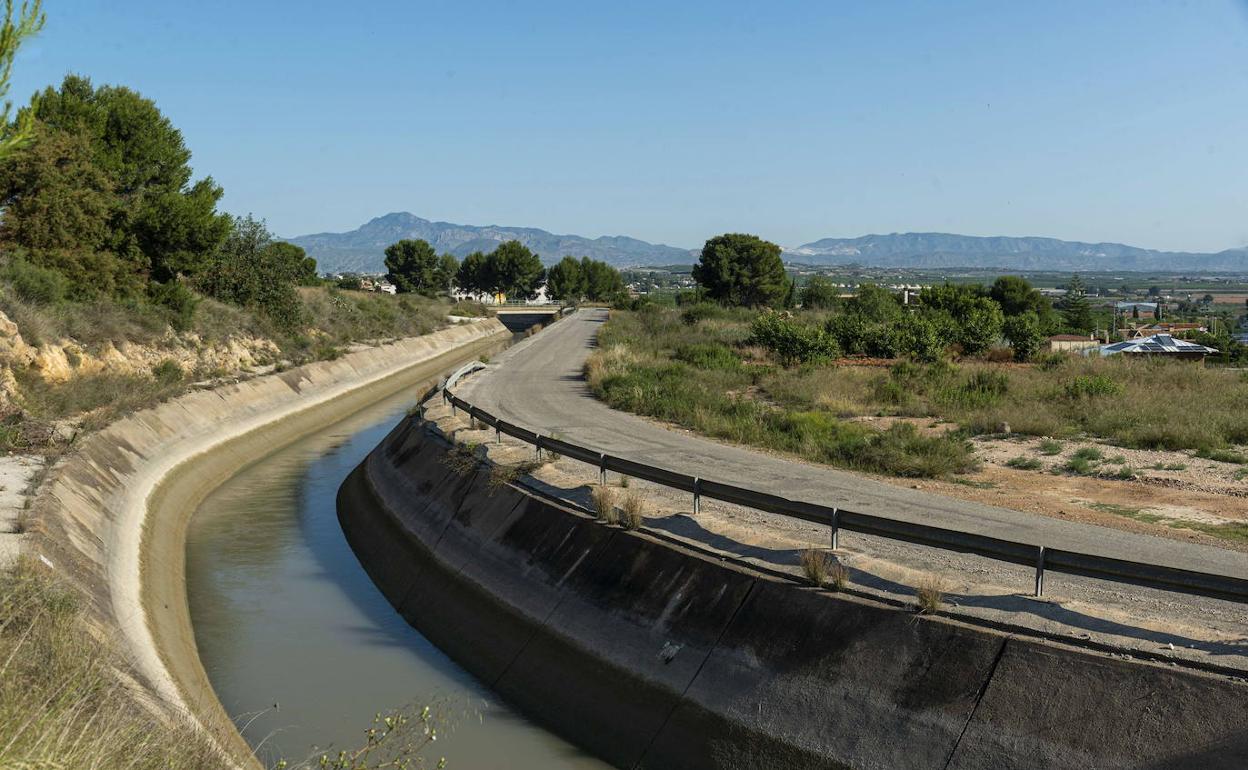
652, 655
113, 514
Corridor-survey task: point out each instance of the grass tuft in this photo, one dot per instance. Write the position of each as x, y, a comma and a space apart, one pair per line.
1024, 463
815, 565
602, 500
632, 511
930, 594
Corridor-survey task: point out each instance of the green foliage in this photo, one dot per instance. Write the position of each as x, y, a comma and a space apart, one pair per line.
740, 269
246, 270
601, 282
179, 300
564, 281
474, 274
1025, 463
820, 294
1023, 330
39, 285
692, 315
1089, 453
1075, 307
1050, 447
168, 372
15, 31
707, 355
414, 267
515, 271
1092, 386
1223, 456
792, 342
873, 303
1017, 297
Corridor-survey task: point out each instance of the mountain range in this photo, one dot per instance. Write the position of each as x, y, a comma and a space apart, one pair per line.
361, 250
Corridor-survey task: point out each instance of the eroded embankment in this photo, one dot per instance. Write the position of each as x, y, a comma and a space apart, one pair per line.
114, 513
653, 656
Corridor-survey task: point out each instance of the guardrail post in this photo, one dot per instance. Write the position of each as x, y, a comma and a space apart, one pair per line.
1040, 572
538, 447
836, 529
498, 435
602, 470
697, 496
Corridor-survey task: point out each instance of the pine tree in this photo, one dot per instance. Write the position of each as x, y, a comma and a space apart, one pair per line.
1076, 308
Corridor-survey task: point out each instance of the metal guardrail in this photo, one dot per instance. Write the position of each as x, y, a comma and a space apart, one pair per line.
1042, 559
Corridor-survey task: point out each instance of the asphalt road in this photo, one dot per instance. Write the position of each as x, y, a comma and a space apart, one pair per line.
538, 384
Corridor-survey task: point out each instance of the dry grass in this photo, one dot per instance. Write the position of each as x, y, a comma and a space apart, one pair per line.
838, 576
602, 500
632, 511
503, 475
61, 703
815, 564
930, 594
462, 458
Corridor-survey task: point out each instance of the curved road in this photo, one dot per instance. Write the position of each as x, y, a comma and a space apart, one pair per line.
538, 384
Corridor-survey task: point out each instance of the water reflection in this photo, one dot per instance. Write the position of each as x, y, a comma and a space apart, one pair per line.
284, 616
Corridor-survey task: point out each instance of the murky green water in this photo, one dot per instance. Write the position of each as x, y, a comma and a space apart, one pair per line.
300, 646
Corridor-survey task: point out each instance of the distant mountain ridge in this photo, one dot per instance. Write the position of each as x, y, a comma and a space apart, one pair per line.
936, 250
361, 250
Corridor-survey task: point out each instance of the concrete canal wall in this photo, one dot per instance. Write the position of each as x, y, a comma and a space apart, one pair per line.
113, 515
652, 656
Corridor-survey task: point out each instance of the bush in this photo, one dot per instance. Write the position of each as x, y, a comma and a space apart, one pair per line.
167, 372
1050, 447
1092, 386
35, 284
693, 314
180, 301
792, 342
602, 500
1223, 456
708, 356
1024, 463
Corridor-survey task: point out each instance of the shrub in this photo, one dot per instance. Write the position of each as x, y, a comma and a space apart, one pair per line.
1125, 473
180, 301
1050, 447
1088, 453
1024, 463
815, 564
1223, 456
705, 355
167, 372
632, 511
988, 384
35, 284
693, 314
1025, 335
790, 341
1092, 386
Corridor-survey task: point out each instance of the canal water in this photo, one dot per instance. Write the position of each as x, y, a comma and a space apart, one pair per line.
300, 646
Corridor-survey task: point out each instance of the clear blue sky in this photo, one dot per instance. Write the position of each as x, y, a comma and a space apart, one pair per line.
673, 121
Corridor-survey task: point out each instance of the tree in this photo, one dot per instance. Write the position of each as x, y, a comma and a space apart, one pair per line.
603, 283
245, 270
980, 326
819, 294
448, 268
1075, 307
414, 267
1016, 296
13, 32
292, 262
565, 281
873, 303
741, 269
1025, 335
473, 275
515, 271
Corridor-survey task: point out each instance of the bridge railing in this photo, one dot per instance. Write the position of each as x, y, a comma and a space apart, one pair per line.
1038, 557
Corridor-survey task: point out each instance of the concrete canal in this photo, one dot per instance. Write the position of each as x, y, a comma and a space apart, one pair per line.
300, 646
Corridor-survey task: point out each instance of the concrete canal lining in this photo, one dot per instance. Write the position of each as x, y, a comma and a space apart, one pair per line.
653, 656
113, 514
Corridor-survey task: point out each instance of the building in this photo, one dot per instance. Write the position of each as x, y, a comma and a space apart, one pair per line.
1140, 331
1072, 343
1162, 345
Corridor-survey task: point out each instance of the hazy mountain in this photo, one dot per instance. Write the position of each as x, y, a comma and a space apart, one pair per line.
361, 250
933, 250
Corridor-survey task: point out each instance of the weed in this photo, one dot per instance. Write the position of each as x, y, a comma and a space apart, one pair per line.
1024, 463
930, 594
624, 482
838, 576
1116, 460
1169, 466
502, 475
1050, 447
632, 511
1092, 386
1079, 466
462, 458
1125, 473
1089, 453
602, 500
168, 372
815, 565
1223, 456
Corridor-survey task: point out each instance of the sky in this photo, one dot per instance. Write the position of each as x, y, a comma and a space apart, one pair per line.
675, 121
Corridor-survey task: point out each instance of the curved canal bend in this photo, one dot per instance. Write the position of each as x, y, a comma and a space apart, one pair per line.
300, 646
